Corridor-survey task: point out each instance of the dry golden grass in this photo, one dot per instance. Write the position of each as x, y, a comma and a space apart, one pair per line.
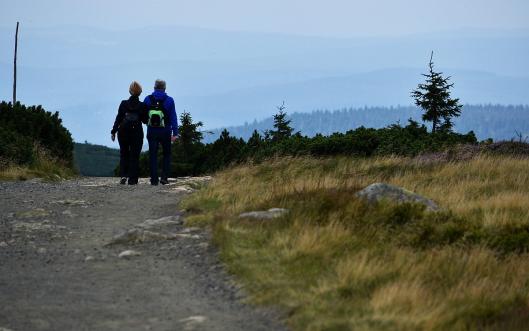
44, 167
334, 263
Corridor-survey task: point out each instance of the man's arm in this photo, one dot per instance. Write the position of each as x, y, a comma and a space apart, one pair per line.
145, 112
174, 118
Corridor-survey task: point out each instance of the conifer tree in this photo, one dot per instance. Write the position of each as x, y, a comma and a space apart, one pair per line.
189, 131
434, 98
255, 140
281, 124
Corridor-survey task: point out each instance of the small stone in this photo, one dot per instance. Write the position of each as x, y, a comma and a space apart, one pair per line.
187, 235
77, 251
203, 245
126, 237
167, 220
68, 213
42, 250
190, 229
192, 321
89, 258
3, 244
128, 253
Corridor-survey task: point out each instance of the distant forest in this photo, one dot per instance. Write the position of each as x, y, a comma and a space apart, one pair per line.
498, 122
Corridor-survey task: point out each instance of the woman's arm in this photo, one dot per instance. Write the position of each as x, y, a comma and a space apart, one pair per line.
119, 118
144, 114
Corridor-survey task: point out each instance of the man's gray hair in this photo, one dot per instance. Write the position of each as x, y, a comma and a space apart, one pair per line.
159, 84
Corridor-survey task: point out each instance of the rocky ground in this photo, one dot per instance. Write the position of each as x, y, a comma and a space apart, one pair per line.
89, 254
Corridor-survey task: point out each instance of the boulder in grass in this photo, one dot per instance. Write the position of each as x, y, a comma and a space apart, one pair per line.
265, 214
381, 191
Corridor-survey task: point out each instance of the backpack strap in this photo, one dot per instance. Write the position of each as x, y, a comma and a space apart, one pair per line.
162, 101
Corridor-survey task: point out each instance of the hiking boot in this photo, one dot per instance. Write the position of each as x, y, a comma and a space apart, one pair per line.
164, 181
133, 182
154, 183
123, 180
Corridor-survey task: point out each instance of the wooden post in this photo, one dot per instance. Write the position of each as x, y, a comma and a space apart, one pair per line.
15, 69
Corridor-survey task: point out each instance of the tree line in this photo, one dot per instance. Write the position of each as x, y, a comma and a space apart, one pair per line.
190, 156
499, 122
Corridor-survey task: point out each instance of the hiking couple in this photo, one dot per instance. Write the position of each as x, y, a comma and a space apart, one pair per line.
157, 111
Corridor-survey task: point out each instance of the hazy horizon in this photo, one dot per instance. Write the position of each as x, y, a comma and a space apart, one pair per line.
233, 61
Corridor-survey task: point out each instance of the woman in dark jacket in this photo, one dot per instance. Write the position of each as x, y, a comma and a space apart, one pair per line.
128, 125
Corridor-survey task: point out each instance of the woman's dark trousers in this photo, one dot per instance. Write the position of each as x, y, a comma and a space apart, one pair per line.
155, 138
130, 143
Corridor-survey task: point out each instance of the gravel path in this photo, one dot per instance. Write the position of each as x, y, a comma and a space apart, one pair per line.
58, 271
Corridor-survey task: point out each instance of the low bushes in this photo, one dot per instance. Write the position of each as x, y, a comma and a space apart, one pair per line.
33, 138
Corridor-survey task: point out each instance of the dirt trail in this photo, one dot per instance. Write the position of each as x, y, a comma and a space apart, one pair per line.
57, 274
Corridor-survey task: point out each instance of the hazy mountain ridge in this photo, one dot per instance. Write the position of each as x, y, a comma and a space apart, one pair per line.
487, 121
387, 88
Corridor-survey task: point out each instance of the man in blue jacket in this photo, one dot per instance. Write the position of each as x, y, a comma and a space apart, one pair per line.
162, 128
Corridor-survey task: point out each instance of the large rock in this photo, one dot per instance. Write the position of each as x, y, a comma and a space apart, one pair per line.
381, 191
265, 214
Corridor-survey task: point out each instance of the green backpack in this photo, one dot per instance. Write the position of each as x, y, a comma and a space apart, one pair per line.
156, 113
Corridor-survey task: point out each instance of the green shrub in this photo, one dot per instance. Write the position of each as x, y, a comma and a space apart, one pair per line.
25, 129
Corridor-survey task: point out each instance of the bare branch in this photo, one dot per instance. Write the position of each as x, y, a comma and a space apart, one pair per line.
282, 107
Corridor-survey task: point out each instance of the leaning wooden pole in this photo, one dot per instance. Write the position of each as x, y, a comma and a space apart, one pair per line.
15, 69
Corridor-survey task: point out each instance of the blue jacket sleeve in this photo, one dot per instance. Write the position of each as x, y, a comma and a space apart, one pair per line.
172, 111
147, 101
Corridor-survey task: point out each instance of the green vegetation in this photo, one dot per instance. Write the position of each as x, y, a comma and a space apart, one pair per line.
192, 157
335, 263
95, 160
33, 143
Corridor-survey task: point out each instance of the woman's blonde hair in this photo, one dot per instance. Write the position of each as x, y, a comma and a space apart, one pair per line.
135, 88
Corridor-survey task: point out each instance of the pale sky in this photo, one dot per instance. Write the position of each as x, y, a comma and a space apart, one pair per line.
337, 18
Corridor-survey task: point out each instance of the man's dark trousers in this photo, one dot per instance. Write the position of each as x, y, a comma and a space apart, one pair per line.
156, 137
130, 142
